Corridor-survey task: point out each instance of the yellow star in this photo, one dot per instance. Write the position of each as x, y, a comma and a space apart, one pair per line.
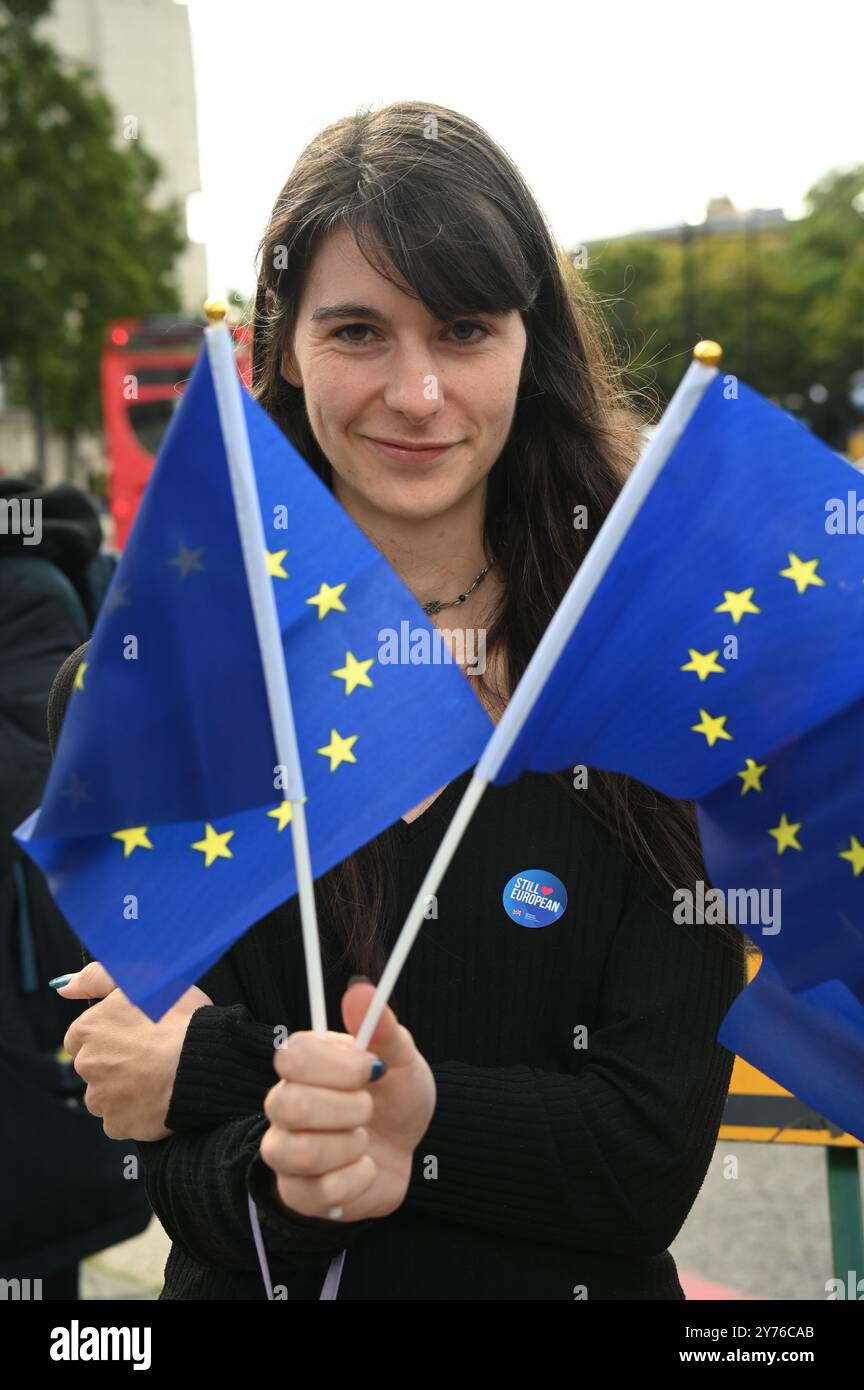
802, 571
785, 834
282, 813
214, 845
711, 727
751, 776
274, 563
78, 683
737, 604
703, 663
135, 838
855, 855
354, 672
328, 599
338, 750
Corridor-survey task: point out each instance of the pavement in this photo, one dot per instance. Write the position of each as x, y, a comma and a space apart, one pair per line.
763, 1234
130, 1270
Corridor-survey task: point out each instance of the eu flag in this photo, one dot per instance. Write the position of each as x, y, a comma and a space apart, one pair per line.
720, 657
730, 620
163, 826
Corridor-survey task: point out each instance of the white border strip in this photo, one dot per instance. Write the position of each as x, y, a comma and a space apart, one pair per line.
229, 399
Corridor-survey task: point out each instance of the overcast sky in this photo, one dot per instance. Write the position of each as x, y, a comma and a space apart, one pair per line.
620, 116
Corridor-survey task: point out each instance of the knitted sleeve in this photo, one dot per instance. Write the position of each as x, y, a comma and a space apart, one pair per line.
225, 1068
199, 1179
198, 1184
608, 1153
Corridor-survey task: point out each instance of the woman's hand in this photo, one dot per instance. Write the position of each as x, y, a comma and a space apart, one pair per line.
340, 1145
128, 1061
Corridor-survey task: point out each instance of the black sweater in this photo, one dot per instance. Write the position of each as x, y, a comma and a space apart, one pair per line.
559, 1172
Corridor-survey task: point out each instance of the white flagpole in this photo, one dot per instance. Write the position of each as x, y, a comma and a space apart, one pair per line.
698, 377
235, 435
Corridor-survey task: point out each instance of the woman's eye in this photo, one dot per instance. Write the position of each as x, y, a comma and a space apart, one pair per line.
364, 328
464, 323
347, 329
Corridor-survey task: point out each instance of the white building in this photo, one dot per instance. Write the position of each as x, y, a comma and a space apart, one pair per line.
141, 52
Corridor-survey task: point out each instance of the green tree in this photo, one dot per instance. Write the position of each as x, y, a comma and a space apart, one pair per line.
80, 239
825, 256
661, 295
625, 275
786, 303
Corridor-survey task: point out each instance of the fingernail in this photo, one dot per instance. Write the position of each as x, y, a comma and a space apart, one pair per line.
355, 978
378, 1069
60, 981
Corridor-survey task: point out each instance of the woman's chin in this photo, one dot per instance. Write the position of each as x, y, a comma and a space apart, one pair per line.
414, 503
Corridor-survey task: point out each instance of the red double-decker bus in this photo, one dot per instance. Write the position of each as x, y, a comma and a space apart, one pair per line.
146, 363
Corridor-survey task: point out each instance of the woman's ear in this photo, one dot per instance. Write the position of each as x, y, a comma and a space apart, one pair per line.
288, 371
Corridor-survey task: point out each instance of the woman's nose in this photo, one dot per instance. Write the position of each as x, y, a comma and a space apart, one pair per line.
414, 385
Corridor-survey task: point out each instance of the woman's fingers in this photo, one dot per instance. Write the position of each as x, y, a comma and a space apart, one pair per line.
93, 982
390, 1041
331, 1194
317, 1141
323, 1061
298, 1106
310, 1153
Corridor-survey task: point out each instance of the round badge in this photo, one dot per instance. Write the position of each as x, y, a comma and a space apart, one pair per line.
534, 898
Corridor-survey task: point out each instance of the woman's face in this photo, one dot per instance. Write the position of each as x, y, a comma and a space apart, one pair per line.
403, 376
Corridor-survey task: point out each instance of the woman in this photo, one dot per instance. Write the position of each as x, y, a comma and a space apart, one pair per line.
552, 1095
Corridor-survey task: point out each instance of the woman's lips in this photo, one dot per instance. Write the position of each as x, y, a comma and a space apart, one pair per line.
410, 455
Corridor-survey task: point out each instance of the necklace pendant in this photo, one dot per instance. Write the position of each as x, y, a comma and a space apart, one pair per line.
435, 605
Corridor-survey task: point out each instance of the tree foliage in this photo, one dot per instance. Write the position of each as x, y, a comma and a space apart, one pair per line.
786, 304
81, 241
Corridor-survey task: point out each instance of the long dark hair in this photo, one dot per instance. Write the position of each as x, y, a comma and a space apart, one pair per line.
427, 192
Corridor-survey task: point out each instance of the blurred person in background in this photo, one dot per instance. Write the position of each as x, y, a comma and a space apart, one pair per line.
64, 1195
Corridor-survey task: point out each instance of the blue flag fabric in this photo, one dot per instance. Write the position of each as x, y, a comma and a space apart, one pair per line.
811, 1041
721, 658
163, 831
730, 620
794, 825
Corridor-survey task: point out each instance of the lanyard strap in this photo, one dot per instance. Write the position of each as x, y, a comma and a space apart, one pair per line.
334, 1273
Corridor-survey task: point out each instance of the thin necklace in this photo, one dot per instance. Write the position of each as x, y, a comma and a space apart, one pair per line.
435, 605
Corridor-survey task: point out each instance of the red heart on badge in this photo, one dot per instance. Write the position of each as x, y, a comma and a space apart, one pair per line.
544, 889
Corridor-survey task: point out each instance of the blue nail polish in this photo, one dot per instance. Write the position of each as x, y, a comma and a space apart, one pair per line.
60, 981
378, 1069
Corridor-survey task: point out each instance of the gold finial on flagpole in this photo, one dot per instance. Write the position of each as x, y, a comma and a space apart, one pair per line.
708, 352
215, 310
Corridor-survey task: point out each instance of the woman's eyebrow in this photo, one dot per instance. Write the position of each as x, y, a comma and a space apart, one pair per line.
346, 310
